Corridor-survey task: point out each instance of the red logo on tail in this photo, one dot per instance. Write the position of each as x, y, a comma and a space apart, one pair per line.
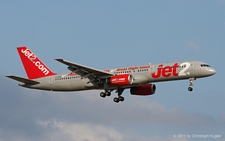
32, 64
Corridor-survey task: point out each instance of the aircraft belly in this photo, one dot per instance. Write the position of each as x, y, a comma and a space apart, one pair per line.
37, 86
70, 85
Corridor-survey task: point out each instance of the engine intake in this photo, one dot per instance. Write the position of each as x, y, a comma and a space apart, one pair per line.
145, 89
123, 79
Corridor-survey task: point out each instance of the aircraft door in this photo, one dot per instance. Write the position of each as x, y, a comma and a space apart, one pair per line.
50, 80
192, 66
152, 69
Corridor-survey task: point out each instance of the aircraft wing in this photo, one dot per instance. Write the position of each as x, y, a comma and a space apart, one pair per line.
23, 80
93, 74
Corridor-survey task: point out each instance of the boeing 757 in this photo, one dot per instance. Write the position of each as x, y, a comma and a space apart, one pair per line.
139, 79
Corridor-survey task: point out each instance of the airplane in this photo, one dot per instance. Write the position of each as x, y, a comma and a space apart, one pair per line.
139, 79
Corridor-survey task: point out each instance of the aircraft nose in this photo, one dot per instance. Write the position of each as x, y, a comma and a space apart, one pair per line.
212, 71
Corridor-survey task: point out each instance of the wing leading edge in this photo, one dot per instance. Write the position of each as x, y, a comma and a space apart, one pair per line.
94, 75
84, 70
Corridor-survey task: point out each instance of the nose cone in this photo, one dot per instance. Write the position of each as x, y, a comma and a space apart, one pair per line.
212, 71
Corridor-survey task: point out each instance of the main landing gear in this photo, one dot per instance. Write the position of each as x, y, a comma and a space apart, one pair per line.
119, 98
104, 94
191, 84
116, 99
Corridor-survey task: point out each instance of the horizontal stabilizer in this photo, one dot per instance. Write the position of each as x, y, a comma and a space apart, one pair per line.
23, 80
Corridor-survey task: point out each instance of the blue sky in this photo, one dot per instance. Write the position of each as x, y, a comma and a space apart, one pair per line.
110, 34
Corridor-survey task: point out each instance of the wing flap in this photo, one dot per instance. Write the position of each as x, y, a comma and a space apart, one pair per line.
94, 75
23, 80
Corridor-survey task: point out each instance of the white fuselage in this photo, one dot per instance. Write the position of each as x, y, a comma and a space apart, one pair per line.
142, 75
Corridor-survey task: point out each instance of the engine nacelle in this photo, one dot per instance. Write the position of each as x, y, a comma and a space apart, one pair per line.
123, 79
145, 89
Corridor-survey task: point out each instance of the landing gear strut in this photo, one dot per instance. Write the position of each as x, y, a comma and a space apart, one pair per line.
191, 84
116, 99
106, 93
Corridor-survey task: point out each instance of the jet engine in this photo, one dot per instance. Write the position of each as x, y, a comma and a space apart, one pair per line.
145, 89
123, 79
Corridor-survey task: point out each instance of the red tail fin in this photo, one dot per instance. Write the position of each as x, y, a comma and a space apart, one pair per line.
32, 64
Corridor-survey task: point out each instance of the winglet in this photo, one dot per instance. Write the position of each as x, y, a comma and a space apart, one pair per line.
59, 59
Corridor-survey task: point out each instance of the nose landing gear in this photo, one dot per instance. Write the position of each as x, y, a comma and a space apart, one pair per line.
191, 84
190, 89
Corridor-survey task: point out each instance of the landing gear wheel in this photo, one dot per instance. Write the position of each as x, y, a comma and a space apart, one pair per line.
107, 93
102, 94
116, 100
190, 89
121, 98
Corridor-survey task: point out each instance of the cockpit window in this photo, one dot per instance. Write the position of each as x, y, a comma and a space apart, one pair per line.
204, 65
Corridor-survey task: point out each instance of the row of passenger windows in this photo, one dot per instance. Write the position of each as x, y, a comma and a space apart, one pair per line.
73, 77
174, 67
142, 70
123, 72
204, 65
65, 78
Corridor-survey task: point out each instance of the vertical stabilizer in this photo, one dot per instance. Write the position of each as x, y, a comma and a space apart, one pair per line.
33, 66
